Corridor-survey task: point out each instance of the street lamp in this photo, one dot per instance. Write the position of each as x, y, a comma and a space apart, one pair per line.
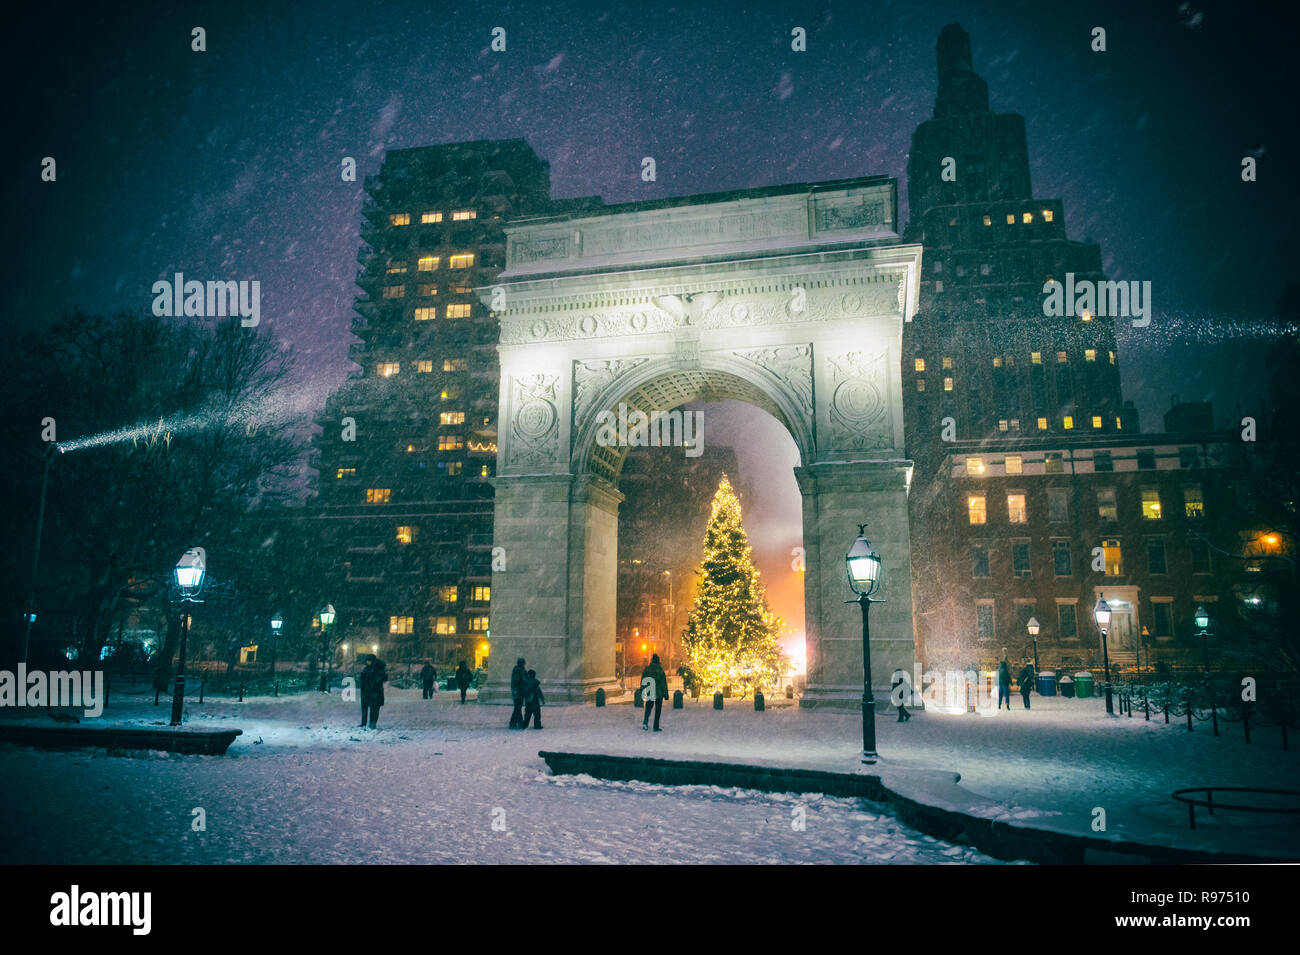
1032, 627
189, 571
1202, 619
1102, 613
276, 623
1146, 642
326, 619
863, 565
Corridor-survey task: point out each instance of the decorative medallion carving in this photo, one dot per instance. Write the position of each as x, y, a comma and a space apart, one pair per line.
859, 408
535, 424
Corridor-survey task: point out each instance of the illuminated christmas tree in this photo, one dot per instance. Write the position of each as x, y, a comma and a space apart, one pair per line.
731, 635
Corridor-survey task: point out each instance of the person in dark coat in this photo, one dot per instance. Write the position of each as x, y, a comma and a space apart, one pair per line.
1026, 682
463, 678
655, 693
533, 701
428, 680
518, 676
899, 693
373, 677
1004, 683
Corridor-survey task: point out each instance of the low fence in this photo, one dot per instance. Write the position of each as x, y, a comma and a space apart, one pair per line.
1270, 704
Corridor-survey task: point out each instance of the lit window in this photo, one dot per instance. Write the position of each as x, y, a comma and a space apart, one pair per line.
1027, 217
1015, 424
1096, 421
1114, 559
394, 291
1036, 358
405, 533
1119, 423
449, 593
425, 314
975, 466
1042, 424
451, 417
1151, 503
1067, 422
444, 625
412, 447
1011, 218
453, 364
1090, 354
400, 218
454, 467
947, 364
460, 215
1047, 215
396, 268
1086, 315
378, 495
427, 290
427, 263
482, 594
387, 369
461, 288
1062, 358
920, 384
947, 384
1193, 502
450, 442
1002, 425
919, 364
427, 218
458, 311
424, 366
1106, 509
483, 471
401, 624
1017, 513
988, 220
975, 507
462, 261
345, 473
1015, 464
478, 624
1112, 357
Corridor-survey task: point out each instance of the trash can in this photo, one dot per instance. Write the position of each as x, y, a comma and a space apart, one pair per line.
1067, 687
1083, 684
1047, 683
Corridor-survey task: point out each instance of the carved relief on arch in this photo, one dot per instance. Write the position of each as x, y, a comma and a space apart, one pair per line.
792, 364
534, 421
590, 378
859, 404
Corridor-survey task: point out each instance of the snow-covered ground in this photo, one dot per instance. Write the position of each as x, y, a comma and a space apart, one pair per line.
441, 782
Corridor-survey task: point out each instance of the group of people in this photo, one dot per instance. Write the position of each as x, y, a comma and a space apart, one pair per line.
1025, 680
525, 691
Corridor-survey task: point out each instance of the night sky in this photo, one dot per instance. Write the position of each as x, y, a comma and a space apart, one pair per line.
225, 164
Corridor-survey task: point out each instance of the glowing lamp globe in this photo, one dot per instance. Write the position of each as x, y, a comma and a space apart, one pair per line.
863, 565
1202, 618
190, 569
1102, 613
277, 622
327, 615
1032, 625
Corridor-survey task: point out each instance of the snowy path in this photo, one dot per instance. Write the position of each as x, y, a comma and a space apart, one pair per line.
414, 794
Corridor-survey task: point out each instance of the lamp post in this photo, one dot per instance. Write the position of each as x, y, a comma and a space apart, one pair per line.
863, 565
1102, 613
1146, 637
29, 612
276, 623
190, 571
326, 620
1202, 619
1032, 627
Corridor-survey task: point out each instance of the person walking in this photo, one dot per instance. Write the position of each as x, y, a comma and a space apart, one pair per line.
533, 701
654, 690
1026, 682
428, 680
899, 694
1004, 683
518, 677
463, 677
373, 677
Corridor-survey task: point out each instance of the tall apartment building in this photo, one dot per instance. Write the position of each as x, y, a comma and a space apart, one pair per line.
1029, 464
407, 448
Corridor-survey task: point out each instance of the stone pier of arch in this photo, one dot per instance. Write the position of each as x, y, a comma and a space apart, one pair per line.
791, 299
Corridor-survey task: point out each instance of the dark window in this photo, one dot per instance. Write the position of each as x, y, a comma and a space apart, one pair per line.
984, 621
1058, 507
1065, 617
1200, 553
1020, 559
1146, 459
1188, 458
1163, 620
1101, 461
979, 560
1052, 463
1156, 557
1061, 558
